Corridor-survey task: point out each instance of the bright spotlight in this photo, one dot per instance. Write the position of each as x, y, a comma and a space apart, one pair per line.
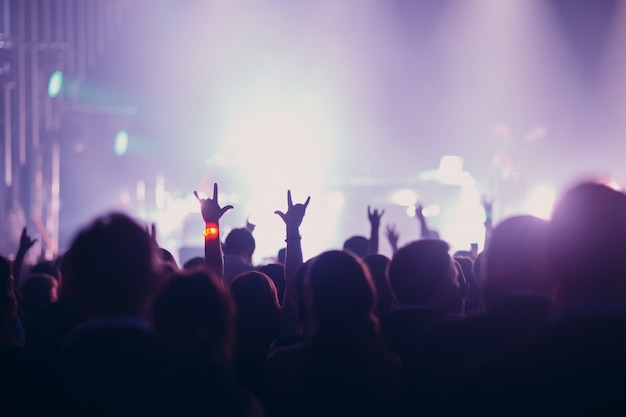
404, 197
55, 83
541, 202
121, 143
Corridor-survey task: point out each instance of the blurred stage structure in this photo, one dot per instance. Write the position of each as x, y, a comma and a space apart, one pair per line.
39, 38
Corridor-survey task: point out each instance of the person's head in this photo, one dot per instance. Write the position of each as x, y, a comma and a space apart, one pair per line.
357, 245
48, 268
240, 242
377, 265
515, 260
587, 244
37, 291
111, 267
276, 272
280, 258
423, 273
194, 263
258, 310
195, 316
340, 292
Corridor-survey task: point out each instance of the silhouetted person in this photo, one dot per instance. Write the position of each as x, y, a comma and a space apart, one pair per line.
357, 245
576, 364
343, 368
238, 250
55, 321
195, 317
276, 272
518, 289
425, 281
385, 303
38, 291
362, 246
113, 363
258, 324
13, 385
194, 263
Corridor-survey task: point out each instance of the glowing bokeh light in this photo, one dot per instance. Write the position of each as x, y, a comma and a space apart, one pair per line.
540, 202
55, 83
120, 146
404, 197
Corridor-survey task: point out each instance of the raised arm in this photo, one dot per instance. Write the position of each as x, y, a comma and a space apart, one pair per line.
374, 218
425, 231
211, 213
26, 242
293, 254
392, 237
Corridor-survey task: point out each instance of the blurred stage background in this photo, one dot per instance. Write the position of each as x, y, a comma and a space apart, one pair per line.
133, 104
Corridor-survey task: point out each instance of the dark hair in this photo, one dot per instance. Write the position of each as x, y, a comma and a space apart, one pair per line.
195, 316
193, 263
514, 259
258, 310
377, 265
48, 268
341, 293
239, 241
418, 269
586, 241
37, 292
357, 245
276, 272
281, 256
111, 265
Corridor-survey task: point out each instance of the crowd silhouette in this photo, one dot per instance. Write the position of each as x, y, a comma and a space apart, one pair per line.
533, 325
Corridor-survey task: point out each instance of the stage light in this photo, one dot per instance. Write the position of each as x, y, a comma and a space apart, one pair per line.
121, 143
404, 197
55, 83
541, 202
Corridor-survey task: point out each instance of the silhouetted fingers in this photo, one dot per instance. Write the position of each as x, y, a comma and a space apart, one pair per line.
306, 203
281, 214
197, 196
289, 200
226, 208
214, 191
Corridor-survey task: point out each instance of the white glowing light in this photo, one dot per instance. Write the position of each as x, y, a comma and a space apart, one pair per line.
334, 201
541, 201
432, 210
404, 197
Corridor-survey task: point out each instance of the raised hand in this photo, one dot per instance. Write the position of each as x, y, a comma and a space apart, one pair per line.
250, 226
374, 216
26, 242
295, 212
419, 211
211, 210
392, 236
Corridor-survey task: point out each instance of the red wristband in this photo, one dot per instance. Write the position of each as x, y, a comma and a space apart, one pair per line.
211, 231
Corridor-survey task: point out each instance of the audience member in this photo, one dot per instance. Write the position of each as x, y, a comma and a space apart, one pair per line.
113, 363
426, 284
342, 369
258, 325
276, 272
385, 303
238, 250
